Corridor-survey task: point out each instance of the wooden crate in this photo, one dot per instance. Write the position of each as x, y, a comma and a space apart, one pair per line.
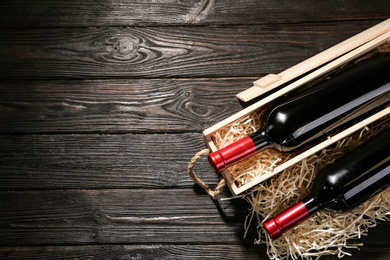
318, 65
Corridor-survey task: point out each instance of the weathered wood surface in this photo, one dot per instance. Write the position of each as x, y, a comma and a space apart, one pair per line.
157, 251
117, 106
134, 216
218, 251
102, 104
128, 161
41, 13
155, 52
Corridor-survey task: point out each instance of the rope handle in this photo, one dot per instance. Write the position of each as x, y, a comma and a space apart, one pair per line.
220, 186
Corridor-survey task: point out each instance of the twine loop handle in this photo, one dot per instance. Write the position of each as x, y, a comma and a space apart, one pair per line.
220, 186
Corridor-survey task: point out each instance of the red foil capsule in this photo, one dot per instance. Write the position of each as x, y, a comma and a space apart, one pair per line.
286, 220
232, 154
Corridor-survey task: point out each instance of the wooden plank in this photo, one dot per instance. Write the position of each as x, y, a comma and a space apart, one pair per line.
77, 217
112, 252
100, 161
117, 106
73, 13
85, 217
166, 52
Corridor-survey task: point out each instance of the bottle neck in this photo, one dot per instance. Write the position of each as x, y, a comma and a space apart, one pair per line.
260, 139
311, 205
291, 217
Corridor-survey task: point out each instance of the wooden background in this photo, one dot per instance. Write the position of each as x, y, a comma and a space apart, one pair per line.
102, 105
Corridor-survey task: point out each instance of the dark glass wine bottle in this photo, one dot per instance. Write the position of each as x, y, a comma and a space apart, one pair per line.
341, 186
312, 114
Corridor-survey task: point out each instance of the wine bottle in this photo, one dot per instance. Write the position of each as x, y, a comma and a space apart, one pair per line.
312, 114
341, 186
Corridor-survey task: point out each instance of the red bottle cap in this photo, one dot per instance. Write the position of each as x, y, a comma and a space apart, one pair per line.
216, 161
286, 220
232, 154
273, 229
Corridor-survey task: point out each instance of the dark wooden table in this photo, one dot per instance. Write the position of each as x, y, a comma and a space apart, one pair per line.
102, 105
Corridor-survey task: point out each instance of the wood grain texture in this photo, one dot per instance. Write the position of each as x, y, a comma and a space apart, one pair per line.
156, 52
102, 104
117, 106
134, 252
78, 217
100, 161
23, 13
